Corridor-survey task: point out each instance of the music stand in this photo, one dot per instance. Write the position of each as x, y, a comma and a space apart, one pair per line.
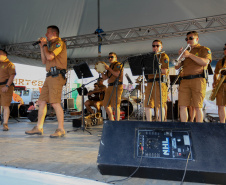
143, 65
82, 70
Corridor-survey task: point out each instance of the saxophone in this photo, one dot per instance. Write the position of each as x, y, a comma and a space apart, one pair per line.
217, 86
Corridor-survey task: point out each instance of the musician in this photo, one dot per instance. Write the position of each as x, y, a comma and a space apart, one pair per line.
55, 59
96, 97
113, 71
220, 97
192, 88
7, 74
155, 95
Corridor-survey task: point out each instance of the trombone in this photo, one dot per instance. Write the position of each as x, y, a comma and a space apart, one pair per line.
177, 61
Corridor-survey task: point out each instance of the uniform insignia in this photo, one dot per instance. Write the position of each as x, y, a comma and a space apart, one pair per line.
13, 66
118, 66
209, 51
166, 61
58, 45
197, 54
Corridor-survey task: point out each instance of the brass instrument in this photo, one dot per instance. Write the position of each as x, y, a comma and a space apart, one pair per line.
177, 61
217, 86
100, 67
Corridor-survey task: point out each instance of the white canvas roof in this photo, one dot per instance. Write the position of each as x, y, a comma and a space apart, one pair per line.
26, 21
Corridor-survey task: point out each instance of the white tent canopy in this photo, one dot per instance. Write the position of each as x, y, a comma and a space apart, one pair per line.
26, 21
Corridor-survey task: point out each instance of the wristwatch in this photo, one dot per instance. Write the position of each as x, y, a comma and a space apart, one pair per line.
44, 45
6, 85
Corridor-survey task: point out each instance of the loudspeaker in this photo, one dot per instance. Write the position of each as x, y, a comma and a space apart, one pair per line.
77, 123
161, 150
14, 111
33, 116
69, 103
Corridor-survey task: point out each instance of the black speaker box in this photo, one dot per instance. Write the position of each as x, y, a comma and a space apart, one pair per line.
33, 116
69, 103
77, 123
161, 150
14, 111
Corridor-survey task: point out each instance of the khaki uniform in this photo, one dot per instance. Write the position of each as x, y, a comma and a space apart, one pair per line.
116, 66
193, 91
7, 69
52, 88
155, 96
221, 94
92, 102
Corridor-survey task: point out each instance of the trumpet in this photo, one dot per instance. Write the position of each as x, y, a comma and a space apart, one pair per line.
177, 61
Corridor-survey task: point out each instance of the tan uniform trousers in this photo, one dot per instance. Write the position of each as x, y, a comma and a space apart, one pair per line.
6, 97
155, 96
192, 92
52, 89
113, 98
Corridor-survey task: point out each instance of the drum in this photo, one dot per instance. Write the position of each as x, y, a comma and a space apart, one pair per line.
124, 107
125, 94
135, 94
100, 67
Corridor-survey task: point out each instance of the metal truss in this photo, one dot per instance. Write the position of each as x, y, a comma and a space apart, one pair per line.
216, 55
174, 29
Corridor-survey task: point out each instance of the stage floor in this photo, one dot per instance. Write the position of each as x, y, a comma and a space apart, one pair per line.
74, 155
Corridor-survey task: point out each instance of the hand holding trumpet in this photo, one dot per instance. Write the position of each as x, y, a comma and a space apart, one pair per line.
182, 54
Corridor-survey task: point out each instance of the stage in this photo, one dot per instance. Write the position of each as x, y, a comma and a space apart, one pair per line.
75, 155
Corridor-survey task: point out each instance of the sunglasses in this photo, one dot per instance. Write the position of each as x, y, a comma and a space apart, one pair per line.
155, 46
110, 57
189, 38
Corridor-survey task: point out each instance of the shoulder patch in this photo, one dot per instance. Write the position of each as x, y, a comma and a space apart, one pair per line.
197, 54
208, 50
166, 61
58, 44
13, 66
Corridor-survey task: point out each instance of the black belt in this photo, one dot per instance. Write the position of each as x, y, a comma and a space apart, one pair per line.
193, 76
5, 82
111, 84
57, 72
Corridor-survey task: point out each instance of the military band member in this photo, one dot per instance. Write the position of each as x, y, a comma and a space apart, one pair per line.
96, 97
155, 95
55, 59
113, 71
7, 74
192, 88
221, 94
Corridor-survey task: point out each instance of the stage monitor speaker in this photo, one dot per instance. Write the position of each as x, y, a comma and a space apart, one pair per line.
14, 110
33, 116
69, 103
162, 150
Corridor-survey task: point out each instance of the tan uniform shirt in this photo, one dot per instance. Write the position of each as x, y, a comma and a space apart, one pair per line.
219, 65
190, 67
59, 49
7, 69
116, 66
164, 60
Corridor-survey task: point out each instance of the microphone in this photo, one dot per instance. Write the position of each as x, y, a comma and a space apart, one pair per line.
36, 43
